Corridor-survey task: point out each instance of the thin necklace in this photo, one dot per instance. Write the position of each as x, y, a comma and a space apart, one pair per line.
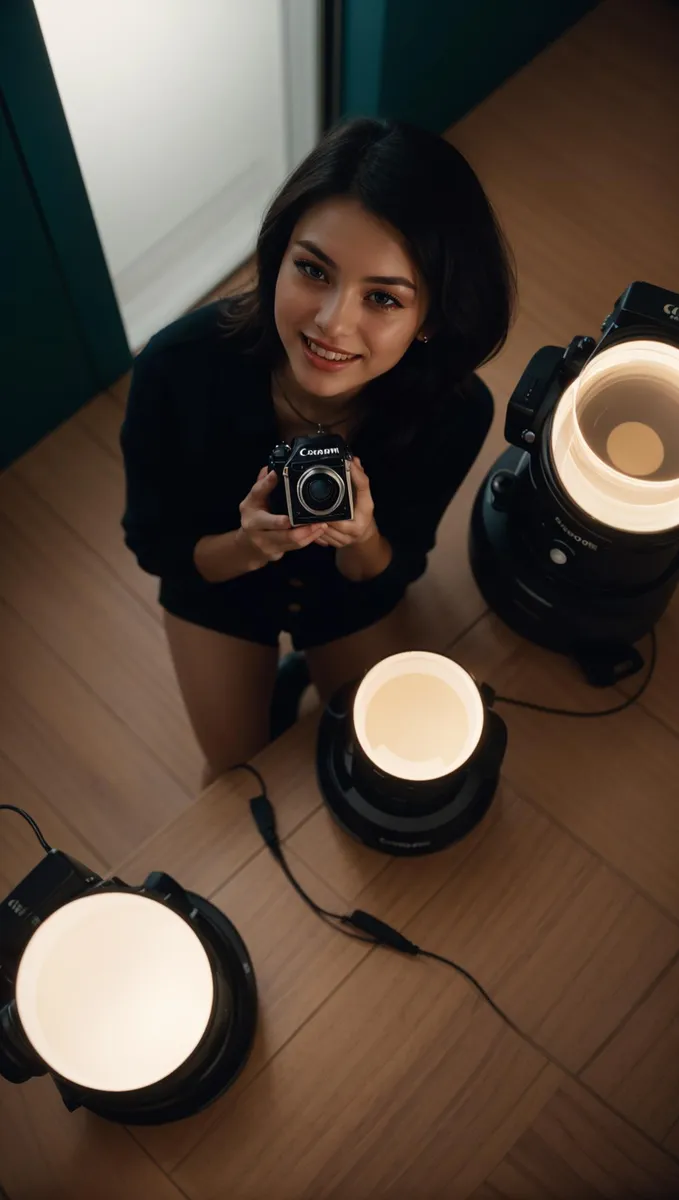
320, 427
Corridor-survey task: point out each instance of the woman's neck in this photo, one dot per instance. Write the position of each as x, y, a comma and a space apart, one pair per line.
288, 396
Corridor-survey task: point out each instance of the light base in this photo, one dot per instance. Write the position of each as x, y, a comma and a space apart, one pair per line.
532, 600
216, 1062
403, 833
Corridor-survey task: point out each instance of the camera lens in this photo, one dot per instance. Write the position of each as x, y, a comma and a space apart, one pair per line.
320, 491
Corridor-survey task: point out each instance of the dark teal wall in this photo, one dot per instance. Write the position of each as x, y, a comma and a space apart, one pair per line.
65, 340
431, 61
44, 374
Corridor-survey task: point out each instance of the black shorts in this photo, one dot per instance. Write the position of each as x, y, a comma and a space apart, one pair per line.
303, 593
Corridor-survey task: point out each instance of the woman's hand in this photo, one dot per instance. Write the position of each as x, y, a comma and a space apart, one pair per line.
339, 534
269, 534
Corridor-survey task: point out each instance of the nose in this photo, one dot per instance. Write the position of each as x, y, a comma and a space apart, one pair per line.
338, 314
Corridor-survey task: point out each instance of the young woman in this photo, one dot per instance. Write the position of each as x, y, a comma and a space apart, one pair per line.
383, 281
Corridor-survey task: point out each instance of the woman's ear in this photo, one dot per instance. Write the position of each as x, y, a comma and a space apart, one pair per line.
423, 336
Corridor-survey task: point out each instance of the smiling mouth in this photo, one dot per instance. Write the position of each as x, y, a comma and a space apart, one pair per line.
329, 355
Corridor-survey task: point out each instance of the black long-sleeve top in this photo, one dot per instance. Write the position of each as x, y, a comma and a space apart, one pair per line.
200, 424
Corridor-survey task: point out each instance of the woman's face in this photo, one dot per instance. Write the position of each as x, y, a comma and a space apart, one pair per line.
346, 287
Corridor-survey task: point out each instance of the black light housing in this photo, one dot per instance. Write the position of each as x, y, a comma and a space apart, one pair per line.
574, 537
141, 1003
409, 759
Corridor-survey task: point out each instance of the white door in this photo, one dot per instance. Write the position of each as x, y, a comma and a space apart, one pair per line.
186, 116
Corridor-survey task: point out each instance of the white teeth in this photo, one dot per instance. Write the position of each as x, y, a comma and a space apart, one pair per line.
331, 354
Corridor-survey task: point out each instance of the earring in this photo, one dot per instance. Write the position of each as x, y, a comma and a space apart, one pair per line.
425, 339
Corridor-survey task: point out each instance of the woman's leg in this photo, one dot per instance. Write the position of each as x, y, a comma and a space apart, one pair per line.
348, 658
226, 683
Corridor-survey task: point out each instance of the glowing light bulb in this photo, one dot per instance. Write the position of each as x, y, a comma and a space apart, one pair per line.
114, 991
418, 715
615, 437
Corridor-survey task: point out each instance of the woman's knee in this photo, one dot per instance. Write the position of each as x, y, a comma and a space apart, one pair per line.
226, 684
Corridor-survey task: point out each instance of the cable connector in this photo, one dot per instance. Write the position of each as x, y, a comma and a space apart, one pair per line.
385, 934
265, 819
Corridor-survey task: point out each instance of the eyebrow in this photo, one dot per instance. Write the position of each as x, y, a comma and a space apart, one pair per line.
392, 280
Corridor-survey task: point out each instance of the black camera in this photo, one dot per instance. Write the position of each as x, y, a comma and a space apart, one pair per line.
562, 566
643, 311
314, 479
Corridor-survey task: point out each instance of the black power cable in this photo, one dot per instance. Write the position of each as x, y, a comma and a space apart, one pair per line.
33, 824
371, 929
598, 712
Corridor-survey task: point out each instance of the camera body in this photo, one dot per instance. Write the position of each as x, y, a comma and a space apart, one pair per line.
551, 571
642, 311
314, 479
55, 880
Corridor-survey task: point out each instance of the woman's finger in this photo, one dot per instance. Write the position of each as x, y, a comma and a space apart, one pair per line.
301, 532
266, 482
358, 476
338, 540
299, 538
263, 521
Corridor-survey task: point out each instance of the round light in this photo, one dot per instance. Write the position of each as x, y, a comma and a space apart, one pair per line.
635, 449
418, 715
615, 437
114, 991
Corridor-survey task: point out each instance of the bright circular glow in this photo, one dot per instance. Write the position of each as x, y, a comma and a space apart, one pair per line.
418, 715
114, 991
615, 437
635, 449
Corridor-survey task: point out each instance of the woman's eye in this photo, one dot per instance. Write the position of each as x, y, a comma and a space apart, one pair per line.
310, 269
385, 300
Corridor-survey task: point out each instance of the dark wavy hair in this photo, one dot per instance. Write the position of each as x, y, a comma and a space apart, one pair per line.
424, 188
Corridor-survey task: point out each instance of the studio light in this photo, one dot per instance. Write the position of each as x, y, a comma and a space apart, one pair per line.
139, 1002
575, 531
408, 761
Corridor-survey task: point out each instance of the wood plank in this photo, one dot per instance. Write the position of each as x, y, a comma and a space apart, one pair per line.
638, 1070
102, 419
610, 782
346, 864
672, 1141
299, 961
120, 389
92, 622
485, 647
216, 836
564, 945
661, 700
19, 849
85, 485
95, 772
47, 1153
400, 1081
556, 167
579, 1150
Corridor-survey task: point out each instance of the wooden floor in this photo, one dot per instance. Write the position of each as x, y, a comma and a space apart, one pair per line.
571, 894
